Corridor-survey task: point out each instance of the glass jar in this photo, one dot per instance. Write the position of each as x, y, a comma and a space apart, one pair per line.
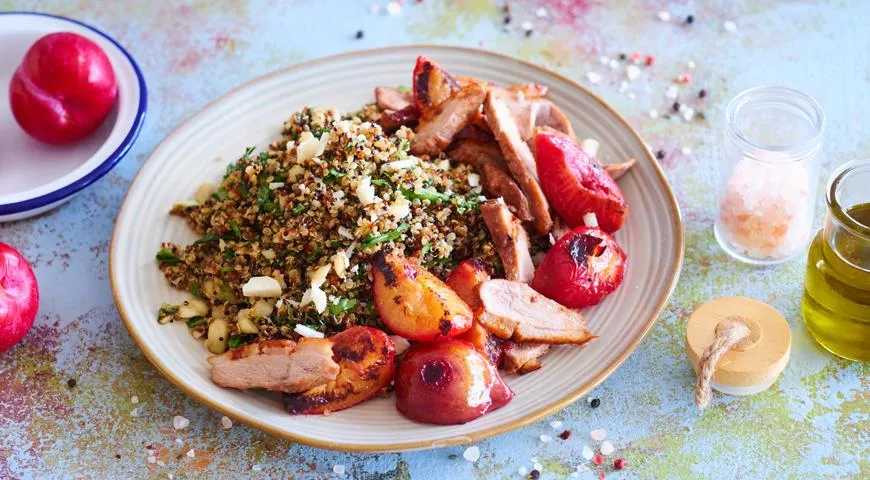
769, 173
836, 305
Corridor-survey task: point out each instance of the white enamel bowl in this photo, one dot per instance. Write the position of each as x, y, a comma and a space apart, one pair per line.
252, 114
36, 177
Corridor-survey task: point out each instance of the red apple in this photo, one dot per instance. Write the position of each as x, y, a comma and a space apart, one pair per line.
63, 89
19, 297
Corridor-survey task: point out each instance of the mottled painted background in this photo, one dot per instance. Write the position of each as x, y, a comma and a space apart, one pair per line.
813, 423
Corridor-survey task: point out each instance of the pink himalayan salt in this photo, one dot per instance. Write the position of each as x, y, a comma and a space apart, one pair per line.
765, 211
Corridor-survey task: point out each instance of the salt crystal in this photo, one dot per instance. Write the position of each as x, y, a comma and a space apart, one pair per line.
545, 438
672, 92
664, 16
523, 471
179, 422
623, 86
730, 26
537, 466
226, 423
598, 434
393, 8
170, 476
179, 441
587, 452
256, 467
589, 398
556, 424
161, 463
338, 469
471, 454
527, 26
593, 77
134, 399
604, 60
632, 72
653, 113
614, 65
534, 459
688, 114
607, 448
191, 453
631, 96
686, 151
691, 64
541, 12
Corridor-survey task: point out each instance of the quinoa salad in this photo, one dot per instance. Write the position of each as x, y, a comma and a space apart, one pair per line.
287, 235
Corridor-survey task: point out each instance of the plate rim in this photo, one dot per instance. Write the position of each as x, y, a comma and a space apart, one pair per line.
112, 159
569, 398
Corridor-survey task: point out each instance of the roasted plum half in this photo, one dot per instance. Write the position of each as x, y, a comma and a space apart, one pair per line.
365, 357
582, 268
448, 383
431, 85
576, 184
414, 303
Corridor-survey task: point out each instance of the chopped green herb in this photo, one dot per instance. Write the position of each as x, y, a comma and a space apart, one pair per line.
195, 291
440, 261
350, 146
166, 309
382, 182
263, 195
425, 194
237, 232
229, 254
426, 248
227, 269
318, 132
300, 209
220, 194
404, 145
209, 237
333, 176
263, 156
244, 190
371, 239
248, 152
166, 257
193, 322
237, 341
342, 305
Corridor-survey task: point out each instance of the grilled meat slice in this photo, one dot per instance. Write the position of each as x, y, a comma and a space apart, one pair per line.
522, 357
513, 310
617, 170
433, 136
389, 98
391, 120
519, 160
497, 183
510, 239
278, 365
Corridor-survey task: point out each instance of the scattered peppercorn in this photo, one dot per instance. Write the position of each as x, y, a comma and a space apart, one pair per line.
597, 459
619, 464
595, 402
507, 19
453, 456
359, 34
700, 115
565, 435
528, 33
622, 56
118, 455
534, 475
650, 59
660, 154
676, 106
71, 383
690, 19
702, 93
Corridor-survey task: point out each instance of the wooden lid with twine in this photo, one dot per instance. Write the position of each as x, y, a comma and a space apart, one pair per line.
737, 345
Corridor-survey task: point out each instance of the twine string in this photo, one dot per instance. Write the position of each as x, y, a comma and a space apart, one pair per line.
729, 333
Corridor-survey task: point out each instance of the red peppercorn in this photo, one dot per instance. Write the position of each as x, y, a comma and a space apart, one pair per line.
619, 464
565, 435
597, 459
635, 57
702, 93
650, 59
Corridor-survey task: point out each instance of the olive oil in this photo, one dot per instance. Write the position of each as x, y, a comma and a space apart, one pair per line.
836, 304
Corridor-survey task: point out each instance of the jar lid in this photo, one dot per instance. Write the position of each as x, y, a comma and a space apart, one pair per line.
759, 341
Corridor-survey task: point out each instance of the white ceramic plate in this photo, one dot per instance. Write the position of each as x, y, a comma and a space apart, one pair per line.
35, 177
252, 114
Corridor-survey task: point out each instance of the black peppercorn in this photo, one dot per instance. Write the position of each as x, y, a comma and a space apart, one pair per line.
676, 106
690, 19
534, 475
622, 56
595, 402
71, 383
660, 154
359, 34
702, 93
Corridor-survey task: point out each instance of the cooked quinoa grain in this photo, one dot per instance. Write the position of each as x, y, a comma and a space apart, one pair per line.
308, 213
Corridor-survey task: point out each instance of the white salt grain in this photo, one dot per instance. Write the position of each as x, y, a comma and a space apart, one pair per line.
191, 453
541, 12
686, 151
593, 77
134, 399
604, 60
555, 424
471, 454
607, 448
226, 423
256, 467
179, 422
688, 114
523, 471
587, 452
545, 438
393, 8
598, 434
338, 469
664, 16
691, 64
614, 65
632, 72
730, 26
672, 92
653, 113
537, 466
623, 86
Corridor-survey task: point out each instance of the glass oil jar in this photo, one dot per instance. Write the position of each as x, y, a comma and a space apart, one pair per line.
769, 174
836, 304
